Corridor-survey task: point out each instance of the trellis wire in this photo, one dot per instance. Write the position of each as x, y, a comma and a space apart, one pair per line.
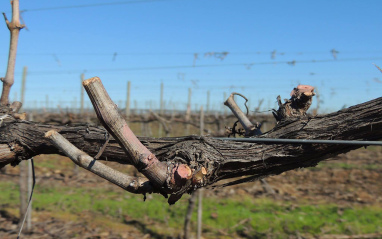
303, 141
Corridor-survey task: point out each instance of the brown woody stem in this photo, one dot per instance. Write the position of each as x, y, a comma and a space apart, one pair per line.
14, 27
128, 183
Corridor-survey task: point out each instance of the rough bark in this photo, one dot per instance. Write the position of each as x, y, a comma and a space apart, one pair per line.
222, 159
297, 105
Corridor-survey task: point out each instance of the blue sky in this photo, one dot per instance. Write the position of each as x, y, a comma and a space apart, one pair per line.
150, 42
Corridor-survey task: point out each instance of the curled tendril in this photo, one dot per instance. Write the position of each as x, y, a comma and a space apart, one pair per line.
246, 100
233, 129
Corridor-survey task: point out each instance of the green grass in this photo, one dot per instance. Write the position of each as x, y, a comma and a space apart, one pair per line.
263, 215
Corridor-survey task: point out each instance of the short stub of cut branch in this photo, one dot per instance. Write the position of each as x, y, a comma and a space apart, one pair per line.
250, 129
297, 105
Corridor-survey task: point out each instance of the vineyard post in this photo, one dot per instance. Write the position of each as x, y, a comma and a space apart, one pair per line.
25, 69
224, 108
47, 102
82, 94
160, 128
208, 103
200, 191
30, 183
188, 111
127, 109
201, 123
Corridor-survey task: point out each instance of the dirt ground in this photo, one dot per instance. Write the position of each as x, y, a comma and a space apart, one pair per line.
348, 179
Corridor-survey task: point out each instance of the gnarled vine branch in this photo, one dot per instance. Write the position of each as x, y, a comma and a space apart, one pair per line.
210, 160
